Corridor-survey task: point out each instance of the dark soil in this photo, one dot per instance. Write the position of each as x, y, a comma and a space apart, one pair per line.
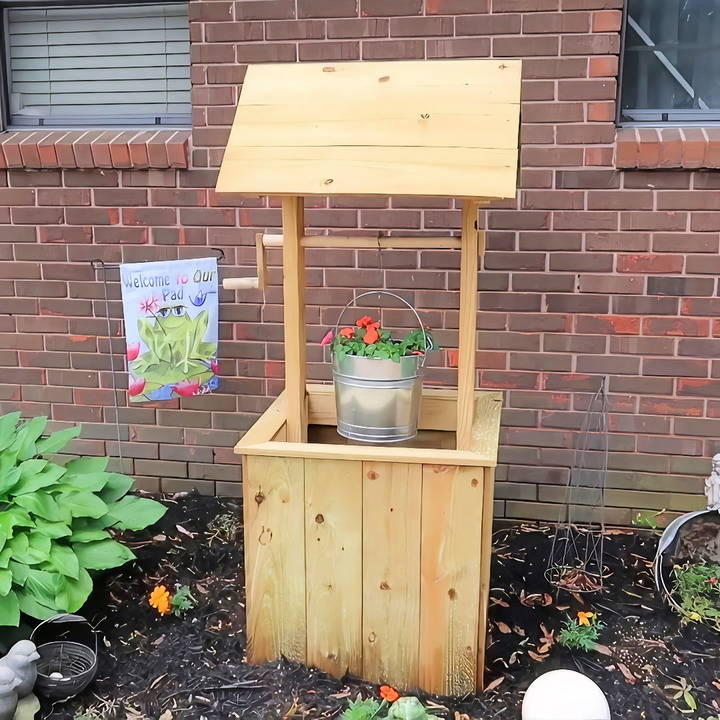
193, 667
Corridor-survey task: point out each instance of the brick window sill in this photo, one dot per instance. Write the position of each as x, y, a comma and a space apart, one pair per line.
46, 149
650, 148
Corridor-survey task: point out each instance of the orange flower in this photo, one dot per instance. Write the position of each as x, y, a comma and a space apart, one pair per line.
160, 600
371, 334
364, 321
585, 617
348, 333
389, 693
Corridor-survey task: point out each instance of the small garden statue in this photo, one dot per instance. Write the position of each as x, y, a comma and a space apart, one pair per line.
21, 660
8, 694
712, 485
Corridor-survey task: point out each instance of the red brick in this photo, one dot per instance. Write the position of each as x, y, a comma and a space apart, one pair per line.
606, 21
648, 263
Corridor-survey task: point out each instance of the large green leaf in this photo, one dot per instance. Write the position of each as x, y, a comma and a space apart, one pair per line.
28, 468
52, 529
64, 560
20, 572
80, 466
102, 554
10, 519
8, 480
6, 580
92, 481
30, 548
5, 556
88, 535
57, 441
43, 584
9, 610
34, 607
117, 485
8, 423
41, 504
72, 594
135, 513
26, 436
84, 504
48, 475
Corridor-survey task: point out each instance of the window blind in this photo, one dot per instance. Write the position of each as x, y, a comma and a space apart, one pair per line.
123, 65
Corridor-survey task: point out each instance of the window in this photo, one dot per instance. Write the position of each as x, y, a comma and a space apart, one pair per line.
124, 65
671, 62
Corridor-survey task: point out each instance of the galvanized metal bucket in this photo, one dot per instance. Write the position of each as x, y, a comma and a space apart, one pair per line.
378, 400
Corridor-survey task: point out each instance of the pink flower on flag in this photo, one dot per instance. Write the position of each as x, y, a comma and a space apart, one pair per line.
328, 338
187, 388
133, 350
149, 305
136, 386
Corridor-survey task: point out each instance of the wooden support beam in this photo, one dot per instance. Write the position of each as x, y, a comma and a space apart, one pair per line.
467, 341
294, 317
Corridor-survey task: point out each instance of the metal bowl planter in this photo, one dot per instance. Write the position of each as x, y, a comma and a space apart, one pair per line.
668, 547
66, 665
377, 399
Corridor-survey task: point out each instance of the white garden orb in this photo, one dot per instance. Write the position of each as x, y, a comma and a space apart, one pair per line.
564, 695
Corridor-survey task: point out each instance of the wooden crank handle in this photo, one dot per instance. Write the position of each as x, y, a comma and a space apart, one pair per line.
241, 283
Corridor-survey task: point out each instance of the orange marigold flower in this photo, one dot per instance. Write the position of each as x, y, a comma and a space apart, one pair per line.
389, 693
364, 321
371, 334
585, 617
713, 580
160, 599
348, 333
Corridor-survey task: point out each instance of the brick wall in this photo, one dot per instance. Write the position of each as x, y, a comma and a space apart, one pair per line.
591, 272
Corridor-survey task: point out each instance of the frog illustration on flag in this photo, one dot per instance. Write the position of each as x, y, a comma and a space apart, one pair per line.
171, 316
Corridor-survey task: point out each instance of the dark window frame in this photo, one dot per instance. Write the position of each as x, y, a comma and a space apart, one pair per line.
174, 122
669, 117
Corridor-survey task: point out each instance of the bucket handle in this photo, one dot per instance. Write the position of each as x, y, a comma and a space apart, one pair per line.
63, 618
397, 297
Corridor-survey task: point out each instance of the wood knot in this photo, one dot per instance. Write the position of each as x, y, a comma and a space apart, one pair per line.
384, 586
328, 181
260, 497
372, 475
474, 482
319, 519
383, 78
425, 116
328, 68
452, 594
372, 637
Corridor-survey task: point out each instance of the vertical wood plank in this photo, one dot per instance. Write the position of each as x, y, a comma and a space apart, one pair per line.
333, 531
485, 567
467, 336
273, 492
392, 494
452, 516
294, 316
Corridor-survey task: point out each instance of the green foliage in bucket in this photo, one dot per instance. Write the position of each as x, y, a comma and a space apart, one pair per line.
368, 339
696, 585
55, 521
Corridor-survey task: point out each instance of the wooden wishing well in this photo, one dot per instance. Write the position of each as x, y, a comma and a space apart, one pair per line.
373, 560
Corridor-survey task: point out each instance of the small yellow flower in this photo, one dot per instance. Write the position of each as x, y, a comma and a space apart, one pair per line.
585, 617
160, 600
695, 616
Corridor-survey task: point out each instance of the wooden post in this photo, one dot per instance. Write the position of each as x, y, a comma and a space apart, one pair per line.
294, 316
467, 341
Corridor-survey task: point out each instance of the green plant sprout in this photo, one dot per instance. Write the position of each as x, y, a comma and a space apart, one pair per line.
182, 601
226, 526
581, 633
364, 709
683, 690
55, 521
696, 586
647, 519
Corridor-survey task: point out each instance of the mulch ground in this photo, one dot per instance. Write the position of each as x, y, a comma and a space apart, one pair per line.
193, 667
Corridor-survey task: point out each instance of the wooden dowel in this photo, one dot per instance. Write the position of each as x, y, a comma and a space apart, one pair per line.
467, 339
243, 283
373, 243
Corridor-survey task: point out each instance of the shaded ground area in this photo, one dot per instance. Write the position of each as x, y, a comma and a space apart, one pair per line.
192, 667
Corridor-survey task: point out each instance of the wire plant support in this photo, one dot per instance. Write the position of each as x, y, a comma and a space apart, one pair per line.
576, 556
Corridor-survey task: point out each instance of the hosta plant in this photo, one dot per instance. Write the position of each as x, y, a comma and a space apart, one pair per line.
57, 522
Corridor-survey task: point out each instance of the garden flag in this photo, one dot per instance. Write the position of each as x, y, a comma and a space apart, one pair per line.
171, 328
